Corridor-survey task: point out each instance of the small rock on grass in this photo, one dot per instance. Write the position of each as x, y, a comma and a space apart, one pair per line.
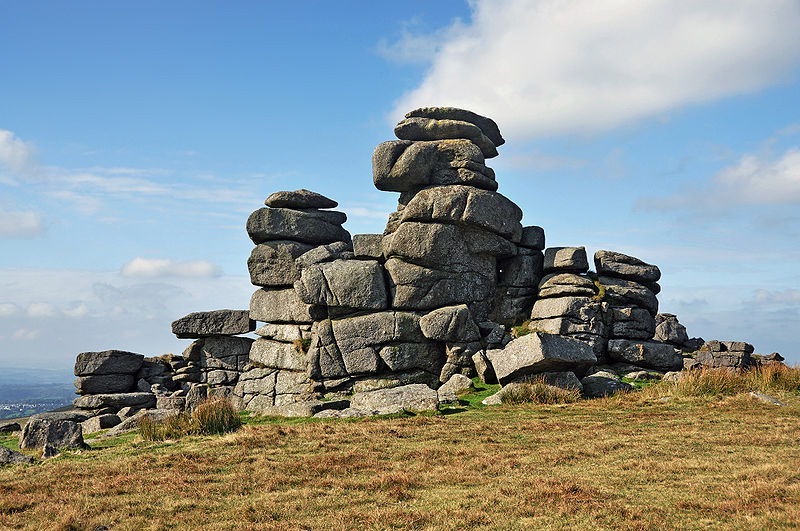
761, 397
12, 457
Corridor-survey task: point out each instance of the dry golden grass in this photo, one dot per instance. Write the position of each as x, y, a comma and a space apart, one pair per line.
632, 461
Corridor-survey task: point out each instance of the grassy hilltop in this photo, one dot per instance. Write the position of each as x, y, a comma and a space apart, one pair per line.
662, 457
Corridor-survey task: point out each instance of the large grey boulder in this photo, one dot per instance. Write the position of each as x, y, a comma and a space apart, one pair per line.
630, 322
57, 433
723, 354
368, 246
273, 263
603, 383
418, 128
565, 260
299, 199
416, 287
524, 271
12, 457
540, 352
278, 355
306, 408
621, 292
285, 332
412, 397
325, 253
213, 323
100, 422
532, 238
610, 263
407, 356
487, 126
466, 205
74, 415
116, 400
447, 247
279, 306
356, 284
451, 324
104, 383
651, 354
566, 285
669, 330
310, 226
401, 165
107, 362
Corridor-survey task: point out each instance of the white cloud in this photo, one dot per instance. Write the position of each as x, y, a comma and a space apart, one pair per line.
26, 334
545, 67
15, 154
79, 310
787, 296
161, 267
8, 308
41, 309
20, 223
756, 179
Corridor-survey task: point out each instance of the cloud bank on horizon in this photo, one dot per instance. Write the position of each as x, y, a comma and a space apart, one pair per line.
548, 67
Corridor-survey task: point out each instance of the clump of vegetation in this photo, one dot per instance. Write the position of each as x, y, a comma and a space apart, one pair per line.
601, 289
302, 345
539, 392
211, 417
708, 382
524, 329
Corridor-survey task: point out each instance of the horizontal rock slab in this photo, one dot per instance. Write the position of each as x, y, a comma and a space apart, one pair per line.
583, 309
565, 260
13, 457
532, 238
299, 199
395, 379
116, 400
447, 247
276, 305
451, 324
466, 205
104, 383
266, 224
368, 246
356, 284
487, 126
408, 356
412, 397
602, 384
306, 408
402, 166
621, 292
107, 362
325, 253
418, 128
566, 285
38, 433
277, 355
708, 358
213, 323
100, 422
219, 352
540, 352
273, 263
610, 263
285, 332
650, 354
417, 287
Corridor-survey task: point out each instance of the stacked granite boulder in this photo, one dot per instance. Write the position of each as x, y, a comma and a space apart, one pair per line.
213, 362
107, 381
721, 354
295, 230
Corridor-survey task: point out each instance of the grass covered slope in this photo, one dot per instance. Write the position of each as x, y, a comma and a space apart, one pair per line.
633, 461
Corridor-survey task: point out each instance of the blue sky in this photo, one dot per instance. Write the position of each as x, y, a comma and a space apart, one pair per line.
136, 138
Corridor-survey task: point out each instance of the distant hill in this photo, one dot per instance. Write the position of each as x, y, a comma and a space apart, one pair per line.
26, 391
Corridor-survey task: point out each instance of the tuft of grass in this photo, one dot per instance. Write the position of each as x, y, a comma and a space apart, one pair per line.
213, 416
538, 391
709, 382
524, 329
302, 345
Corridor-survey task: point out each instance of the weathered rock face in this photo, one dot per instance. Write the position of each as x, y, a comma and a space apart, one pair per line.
107, 362
12, 457
540, 352
214, 323
565, 260
306, 226
299, 199
650, 354
58, 433
723, 354
609, 263
412, 397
